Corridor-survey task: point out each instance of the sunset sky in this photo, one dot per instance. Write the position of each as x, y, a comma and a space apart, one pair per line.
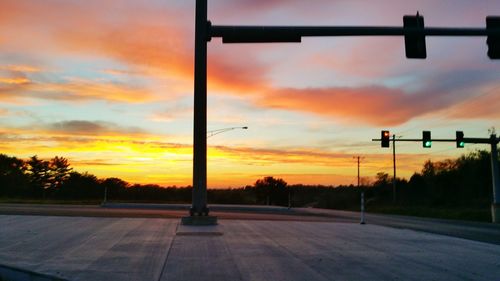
109, 85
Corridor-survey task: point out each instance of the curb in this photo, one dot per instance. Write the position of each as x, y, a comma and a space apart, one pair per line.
9, 273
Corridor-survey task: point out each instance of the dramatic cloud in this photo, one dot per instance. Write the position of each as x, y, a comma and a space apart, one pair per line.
162, 42
375, 105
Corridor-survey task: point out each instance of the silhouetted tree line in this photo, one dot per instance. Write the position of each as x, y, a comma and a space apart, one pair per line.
462, 182
54, 179
465, 181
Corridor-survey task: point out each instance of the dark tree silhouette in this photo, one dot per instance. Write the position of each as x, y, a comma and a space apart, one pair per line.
14, 181
115, 188
271, 191
80, 186
39, 174
60, 171
458, 184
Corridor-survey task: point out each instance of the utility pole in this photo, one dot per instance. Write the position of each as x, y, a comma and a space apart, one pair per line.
394, 169
357, 157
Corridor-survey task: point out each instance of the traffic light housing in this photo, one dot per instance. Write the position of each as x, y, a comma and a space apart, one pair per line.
385, 137
460, 139
414, 44
493, 41
426, 139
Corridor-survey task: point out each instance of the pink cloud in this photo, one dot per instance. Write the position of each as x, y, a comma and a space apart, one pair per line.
372, 105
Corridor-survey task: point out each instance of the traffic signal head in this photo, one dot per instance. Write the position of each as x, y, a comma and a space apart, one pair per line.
385, 136
426, 139
414, 44
460, 139
493, 41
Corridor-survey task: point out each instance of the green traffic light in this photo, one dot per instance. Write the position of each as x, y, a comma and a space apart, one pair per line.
461, 144
428, 144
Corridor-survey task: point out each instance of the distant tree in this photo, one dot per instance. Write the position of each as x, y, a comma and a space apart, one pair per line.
59, 170
365, 181
272, 191
465, 181
39, 174
429, 169
381, 179
80, 186
13, 179
116, 188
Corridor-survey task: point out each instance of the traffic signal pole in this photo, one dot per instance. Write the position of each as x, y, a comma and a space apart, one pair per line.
264, 34
495, 177
204, 31
199, 198
493, 140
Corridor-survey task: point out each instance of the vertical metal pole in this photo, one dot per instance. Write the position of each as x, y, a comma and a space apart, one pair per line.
362, 208
105, 195
495, 206
394, 168
358, 171
199, 200
289, 198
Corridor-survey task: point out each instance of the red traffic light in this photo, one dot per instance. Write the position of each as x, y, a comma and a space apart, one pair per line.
385, 136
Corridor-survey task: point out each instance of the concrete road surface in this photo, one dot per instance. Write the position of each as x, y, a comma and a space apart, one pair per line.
107, 248
484, 232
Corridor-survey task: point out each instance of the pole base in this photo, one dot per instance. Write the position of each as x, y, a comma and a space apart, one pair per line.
199, 220
495, 213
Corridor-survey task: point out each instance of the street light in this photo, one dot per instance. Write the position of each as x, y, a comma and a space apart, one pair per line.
220, 131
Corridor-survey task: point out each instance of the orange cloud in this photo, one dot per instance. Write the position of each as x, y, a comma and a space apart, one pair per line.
86, 89
14, 80
372, 105
10, 76
21, 68
160, 41
73, 90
